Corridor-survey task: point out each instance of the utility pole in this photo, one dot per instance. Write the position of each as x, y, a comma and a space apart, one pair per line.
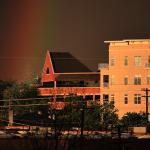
82, 121
10, 113
56, 131
82, 118
146, 108
54, 94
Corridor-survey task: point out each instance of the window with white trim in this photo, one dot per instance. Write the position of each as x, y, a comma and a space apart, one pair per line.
148, 59
137, 98
113, 98
148, 62
126, 80
125, 98
112, 61
126, 60
137, 60
137, 80
105, 97
148, 80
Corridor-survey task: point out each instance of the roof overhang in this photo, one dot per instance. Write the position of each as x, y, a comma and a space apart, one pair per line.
127, 40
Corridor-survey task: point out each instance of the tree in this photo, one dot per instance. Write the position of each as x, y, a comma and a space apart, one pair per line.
24, 94
4, 85
133, 119
96, 116
92, 119
101, 116
69, 116
109, 115
22, 90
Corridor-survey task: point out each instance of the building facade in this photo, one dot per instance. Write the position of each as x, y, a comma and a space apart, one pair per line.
123, 79
63, 74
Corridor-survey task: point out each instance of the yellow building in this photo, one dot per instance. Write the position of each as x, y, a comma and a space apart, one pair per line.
126, 74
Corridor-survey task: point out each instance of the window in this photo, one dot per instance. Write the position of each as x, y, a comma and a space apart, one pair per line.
148, 62
112, 62
126, 60
137, 98
125, 80
137, 60
89, 97
48, 84
148, 80
149, 59
137, 80
47, 71
105, 97
97, 97
125, 98
113, 98
112, 80
105, 80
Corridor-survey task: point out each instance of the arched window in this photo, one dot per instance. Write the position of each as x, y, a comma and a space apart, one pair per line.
47, 71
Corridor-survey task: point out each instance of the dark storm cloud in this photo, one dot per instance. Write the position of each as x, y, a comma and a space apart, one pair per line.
81, 26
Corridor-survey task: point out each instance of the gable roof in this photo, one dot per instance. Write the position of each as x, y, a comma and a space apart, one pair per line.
64, 62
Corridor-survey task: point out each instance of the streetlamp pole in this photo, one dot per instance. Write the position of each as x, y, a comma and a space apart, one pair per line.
146, 108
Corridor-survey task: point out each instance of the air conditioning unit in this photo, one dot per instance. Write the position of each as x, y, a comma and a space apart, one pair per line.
147, 65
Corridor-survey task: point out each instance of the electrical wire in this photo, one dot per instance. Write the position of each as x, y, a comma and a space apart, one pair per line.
23, 105
26, 99
64, 58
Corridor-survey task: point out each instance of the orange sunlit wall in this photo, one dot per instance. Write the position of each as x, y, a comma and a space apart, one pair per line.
47, 77
128, 59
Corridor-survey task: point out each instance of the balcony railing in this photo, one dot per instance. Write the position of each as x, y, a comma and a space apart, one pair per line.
69, 90
105, 84
102, 65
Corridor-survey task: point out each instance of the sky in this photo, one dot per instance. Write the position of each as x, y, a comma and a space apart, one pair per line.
28, 28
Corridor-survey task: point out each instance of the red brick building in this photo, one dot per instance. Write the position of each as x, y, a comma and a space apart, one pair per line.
63, 74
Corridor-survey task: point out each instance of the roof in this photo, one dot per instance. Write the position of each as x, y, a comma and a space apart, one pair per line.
64, 62
128, 40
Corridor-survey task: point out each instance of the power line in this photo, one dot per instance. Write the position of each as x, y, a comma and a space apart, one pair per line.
57, 102
22, 58
14, 122
26, 99
23, 105
57, 58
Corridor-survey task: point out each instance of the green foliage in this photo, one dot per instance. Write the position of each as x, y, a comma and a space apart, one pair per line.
70, 115
4, 85
36, 81
133, 119
24, 94
109, 115
96, 116
22, 90
92, 118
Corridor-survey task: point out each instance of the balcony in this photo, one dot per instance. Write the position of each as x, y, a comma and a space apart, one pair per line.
103, 65
69, 90
106, 85
147, 65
